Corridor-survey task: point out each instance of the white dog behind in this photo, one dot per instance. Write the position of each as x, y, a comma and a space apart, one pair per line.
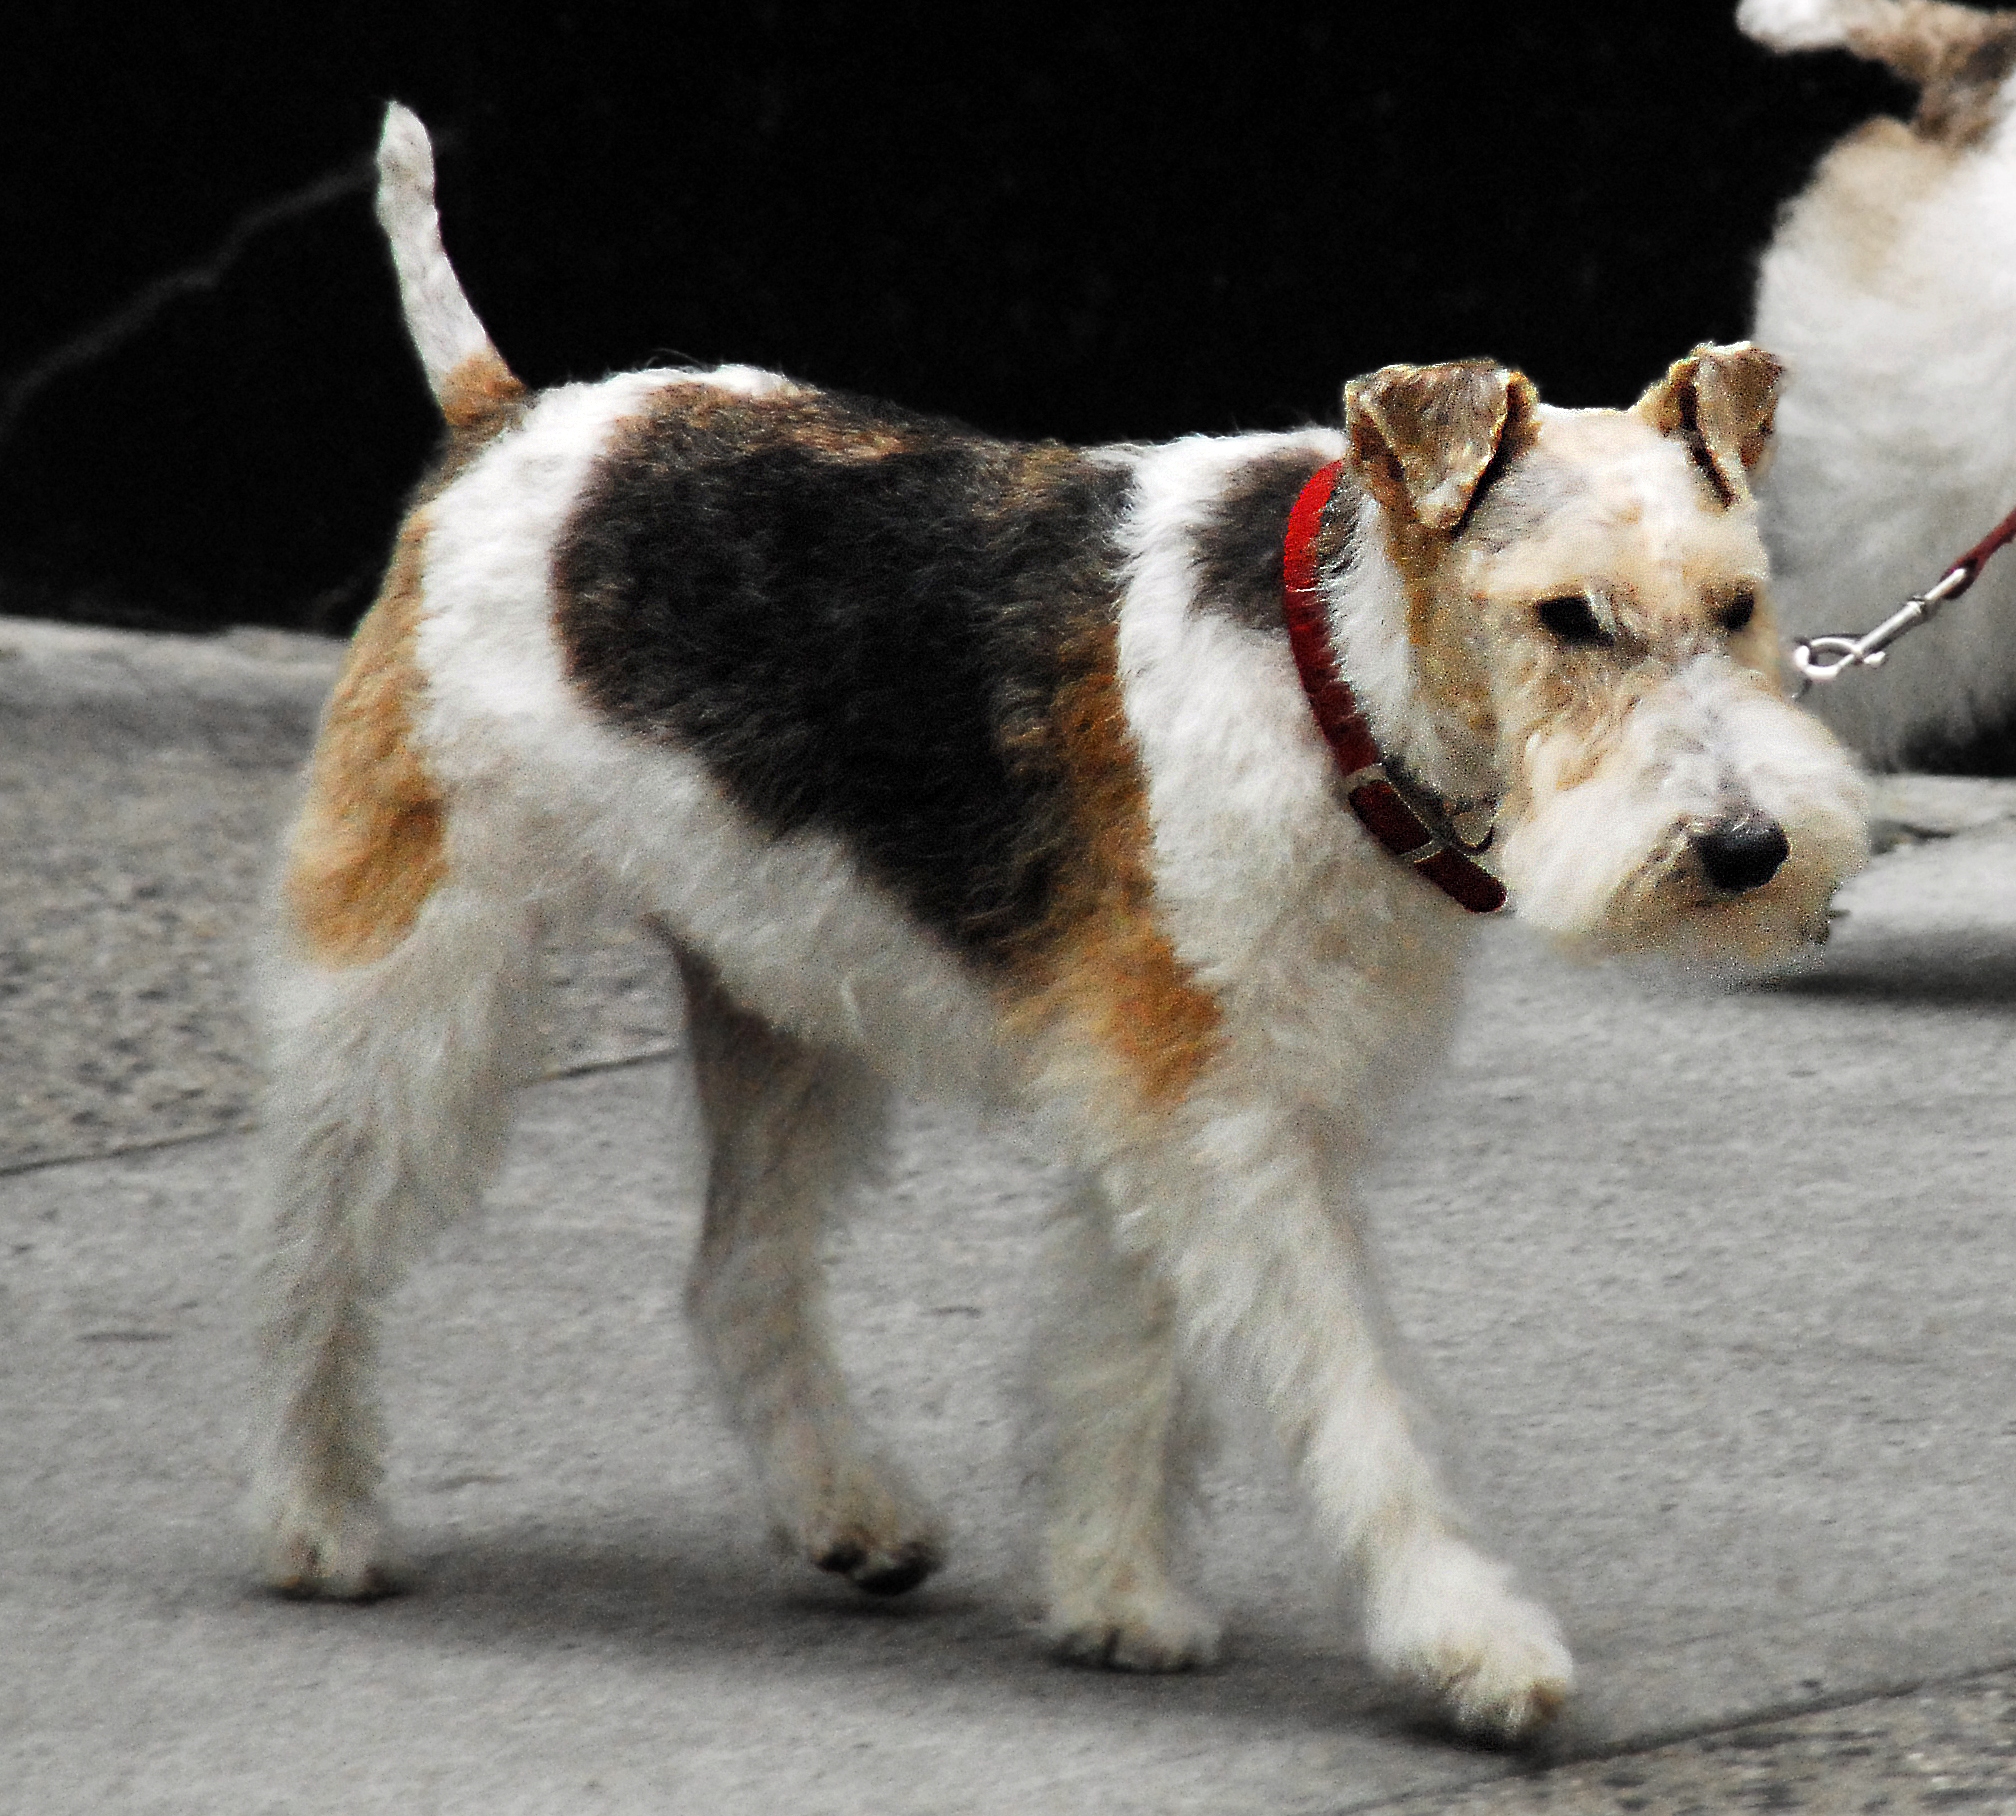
1890, 293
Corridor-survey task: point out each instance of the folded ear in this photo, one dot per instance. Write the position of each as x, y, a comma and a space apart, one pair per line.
1421, 437
1720, 401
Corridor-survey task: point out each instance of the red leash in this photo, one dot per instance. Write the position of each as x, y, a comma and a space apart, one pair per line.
1822, 658
1378, 804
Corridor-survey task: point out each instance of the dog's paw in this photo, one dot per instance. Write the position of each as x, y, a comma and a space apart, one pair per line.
882, 1567
1449, 1625
336, 1552
875, 1531
1125, 1627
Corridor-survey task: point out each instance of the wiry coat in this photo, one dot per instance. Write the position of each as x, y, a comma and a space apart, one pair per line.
948, 762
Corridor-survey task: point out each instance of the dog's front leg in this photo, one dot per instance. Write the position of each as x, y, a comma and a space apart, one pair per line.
1123, 1433
1268, 1280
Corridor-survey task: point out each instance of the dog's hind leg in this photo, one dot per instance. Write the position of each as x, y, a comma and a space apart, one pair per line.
396, 999
1123, 1435
385, 1115
790, 1128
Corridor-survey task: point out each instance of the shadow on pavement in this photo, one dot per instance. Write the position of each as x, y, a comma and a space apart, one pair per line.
680, 1601
1960, 968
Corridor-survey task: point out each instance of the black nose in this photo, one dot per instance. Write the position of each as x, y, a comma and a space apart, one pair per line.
1743, 854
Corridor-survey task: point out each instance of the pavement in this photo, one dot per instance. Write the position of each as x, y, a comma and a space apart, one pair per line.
1711, 1290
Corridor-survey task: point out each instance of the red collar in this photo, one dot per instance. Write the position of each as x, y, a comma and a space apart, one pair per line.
1377, 803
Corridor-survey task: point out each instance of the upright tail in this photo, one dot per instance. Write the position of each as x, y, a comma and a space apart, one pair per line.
1956, 56
467, 375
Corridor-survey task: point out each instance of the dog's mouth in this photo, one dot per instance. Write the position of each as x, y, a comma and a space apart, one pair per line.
1714, 878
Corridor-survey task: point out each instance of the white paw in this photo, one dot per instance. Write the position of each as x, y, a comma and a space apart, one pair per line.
1445, 1620
872, 1528
337, 1550
1126, 1623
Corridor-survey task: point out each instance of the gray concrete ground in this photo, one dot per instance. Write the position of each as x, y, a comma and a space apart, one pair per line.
1712, 1289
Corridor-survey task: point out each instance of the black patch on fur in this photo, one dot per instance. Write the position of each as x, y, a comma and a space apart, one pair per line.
860, 620
1988, 64
1238, 551
1959, 101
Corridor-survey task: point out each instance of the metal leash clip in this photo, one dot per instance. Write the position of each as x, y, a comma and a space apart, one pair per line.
1824, 658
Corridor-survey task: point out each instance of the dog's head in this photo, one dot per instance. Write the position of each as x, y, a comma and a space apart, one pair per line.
1588, 635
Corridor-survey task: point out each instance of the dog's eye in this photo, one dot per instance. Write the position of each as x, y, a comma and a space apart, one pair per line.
1734, 616
1572, 619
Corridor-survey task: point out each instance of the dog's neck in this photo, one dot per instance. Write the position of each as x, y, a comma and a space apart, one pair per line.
1431, 752
1416, 828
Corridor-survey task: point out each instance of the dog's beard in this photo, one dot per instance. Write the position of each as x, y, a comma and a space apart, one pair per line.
1605, 861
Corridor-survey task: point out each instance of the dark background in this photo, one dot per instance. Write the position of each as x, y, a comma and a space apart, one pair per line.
1123, 220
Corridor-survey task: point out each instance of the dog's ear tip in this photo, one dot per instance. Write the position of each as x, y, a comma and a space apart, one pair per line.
1722, 401
1742, 363
1424, 436
1740, 356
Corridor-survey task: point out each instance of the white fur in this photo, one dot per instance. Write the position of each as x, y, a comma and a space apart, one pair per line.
444, 327
1597, 861
385, 1114
1124, 1433
1257, 867
1890, 293
790, 1129
1247, 1218
1800, 24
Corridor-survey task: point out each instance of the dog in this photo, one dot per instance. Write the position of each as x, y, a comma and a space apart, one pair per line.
1887, 291
1130, 785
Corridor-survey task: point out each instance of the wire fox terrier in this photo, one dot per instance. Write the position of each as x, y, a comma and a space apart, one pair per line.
1890, 288
936, 758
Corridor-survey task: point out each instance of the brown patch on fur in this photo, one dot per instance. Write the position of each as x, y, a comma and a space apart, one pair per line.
1428, 442
1439, 630
1581, 726
1099, 961
1721, 403
1031, 473
1956, 56
1423, 439
367, 850
481, 395
734, 423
